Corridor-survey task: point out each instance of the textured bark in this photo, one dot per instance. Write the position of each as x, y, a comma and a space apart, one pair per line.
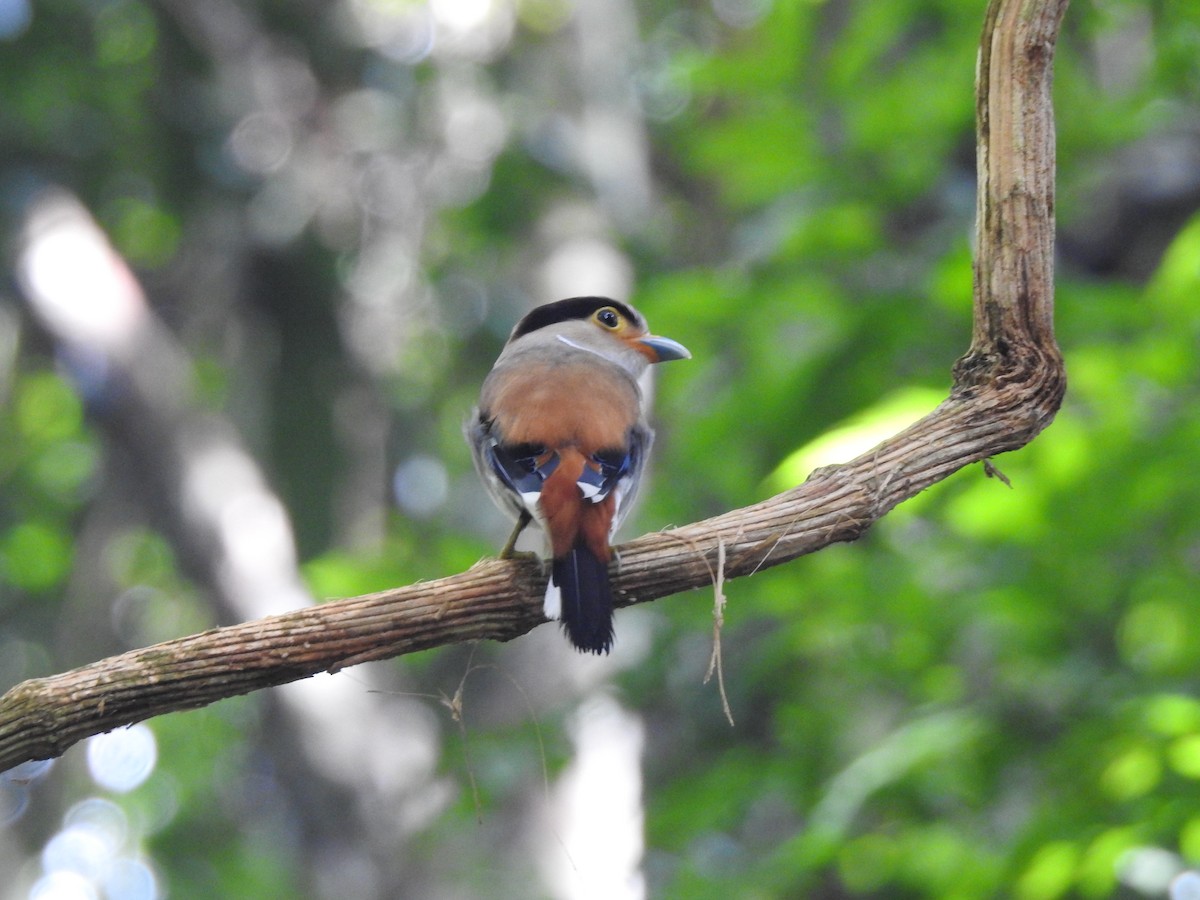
1007, 388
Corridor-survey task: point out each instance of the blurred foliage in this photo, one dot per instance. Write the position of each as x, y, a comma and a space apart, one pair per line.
994, 693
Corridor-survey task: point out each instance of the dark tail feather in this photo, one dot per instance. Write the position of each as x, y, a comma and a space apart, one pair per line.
587, 609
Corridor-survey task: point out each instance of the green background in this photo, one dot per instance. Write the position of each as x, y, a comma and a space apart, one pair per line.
338, 210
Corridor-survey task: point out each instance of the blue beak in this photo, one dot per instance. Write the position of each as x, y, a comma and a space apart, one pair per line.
664, 349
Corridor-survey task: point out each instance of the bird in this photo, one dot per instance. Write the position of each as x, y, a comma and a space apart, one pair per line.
560, 438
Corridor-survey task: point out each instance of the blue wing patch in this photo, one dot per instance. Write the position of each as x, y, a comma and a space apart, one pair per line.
522, 467
604, 470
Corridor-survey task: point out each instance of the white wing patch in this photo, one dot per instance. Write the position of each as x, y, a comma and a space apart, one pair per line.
590, 491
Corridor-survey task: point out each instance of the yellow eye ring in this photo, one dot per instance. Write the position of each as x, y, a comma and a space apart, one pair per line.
608, 317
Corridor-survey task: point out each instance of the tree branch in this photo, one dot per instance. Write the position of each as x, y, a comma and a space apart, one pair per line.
1007, 388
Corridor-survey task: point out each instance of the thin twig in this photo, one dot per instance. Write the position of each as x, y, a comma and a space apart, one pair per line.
715, 661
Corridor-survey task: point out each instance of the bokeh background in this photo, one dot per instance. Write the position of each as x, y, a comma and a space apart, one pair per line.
337, 210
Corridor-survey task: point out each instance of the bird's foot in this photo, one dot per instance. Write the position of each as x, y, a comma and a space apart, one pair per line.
508, 552
522, 556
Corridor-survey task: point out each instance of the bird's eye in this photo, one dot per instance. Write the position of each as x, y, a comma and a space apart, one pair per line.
608, 317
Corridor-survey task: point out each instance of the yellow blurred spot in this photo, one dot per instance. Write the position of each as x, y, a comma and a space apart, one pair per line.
47, 409
1173, 714
1062, 453
858, 434
1189, 840
1153, 635
35, 556
1178, 274
1184, 756
1097, 871
1132, 774
1049, 873
988, 510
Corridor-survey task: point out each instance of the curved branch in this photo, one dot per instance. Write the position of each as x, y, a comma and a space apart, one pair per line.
1007, 388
